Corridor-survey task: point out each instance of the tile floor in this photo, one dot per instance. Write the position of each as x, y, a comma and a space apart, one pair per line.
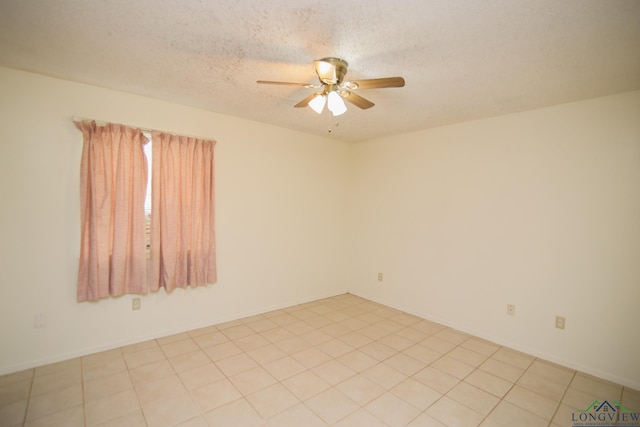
340, 361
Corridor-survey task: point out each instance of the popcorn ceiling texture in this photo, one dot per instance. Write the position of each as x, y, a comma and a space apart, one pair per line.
462, 60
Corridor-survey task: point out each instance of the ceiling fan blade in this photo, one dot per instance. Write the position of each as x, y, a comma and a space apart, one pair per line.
306, 101
376, 83
268, 82
357, 100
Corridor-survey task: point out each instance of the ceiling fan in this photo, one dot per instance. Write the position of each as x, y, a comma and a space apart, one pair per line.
334, 90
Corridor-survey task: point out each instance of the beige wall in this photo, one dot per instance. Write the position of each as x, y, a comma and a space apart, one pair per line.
280, 221
539, 209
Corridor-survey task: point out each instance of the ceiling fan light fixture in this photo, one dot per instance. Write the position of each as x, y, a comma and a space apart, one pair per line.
317, 103
335, 103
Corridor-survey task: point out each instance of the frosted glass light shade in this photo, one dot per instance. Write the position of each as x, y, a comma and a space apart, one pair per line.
317, 103
336, 104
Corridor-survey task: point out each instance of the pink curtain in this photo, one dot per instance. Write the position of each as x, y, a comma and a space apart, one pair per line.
113, 181
183, 249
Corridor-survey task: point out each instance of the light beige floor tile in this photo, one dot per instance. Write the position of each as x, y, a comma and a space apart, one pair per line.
298, 415
501, 369
453, 414
425, 420
49, 403
187, 361
453, 367
412, 334
361, 389
552, 371
299, 327
332, 405
396, 342
16, 377
532, 402
513, 357
564, 415
316, 337
236, 413
13, 413
197, 421
545, 386
160, 390
508, 414
215, 395
105, 386
581, 399
416, 393
474, 398
374, 332
436, 379
336, 330
57, 380
360, 418
179, 347
423, 354
272, 400
384, 375
480, 346
151, 372
236, 364
284, 368
467, 356
428, 327
333, 372
392, 410
438, 344
239, 331
630, 398
210, 339
357, 360
489, 382
266, 354
65, 365
95, 368
168, 413
453, 336
15, 391
389, 326
201, 376
252, 380
132, 419
404, 364
111, 407
292, 345
378, 351
311, 357
277, 334
71, 417
222, 351
143, 357
605, 389
101, 357
335, 347
306, 385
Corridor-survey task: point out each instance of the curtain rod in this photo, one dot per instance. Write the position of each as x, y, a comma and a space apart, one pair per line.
103, 123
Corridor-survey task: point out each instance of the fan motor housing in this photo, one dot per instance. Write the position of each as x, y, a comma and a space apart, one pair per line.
331, 70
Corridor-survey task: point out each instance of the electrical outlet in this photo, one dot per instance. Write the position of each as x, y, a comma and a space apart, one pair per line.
39, 321
511, 309
135, 304
379, 277
560, 322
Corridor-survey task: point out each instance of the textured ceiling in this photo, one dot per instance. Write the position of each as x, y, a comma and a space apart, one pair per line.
462, 60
